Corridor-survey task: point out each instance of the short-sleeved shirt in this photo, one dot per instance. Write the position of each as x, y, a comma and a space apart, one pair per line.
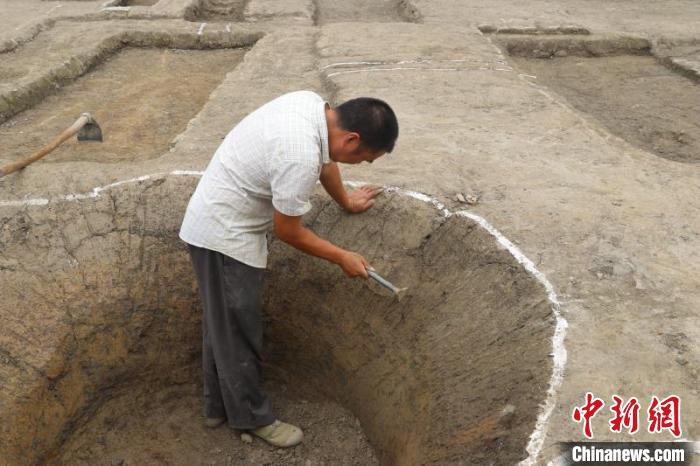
273, 157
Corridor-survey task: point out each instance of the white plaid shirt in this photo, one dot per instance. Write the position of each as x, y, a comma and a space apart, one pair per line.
273, 157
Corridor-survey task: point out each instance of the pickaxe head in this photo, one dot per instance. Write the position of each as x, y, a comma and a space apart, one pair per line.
91, 131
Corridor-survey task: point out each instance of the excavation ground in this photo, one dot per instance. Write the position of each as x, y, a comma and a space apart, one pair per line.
634, 97
140, 111
99, 302
617, 80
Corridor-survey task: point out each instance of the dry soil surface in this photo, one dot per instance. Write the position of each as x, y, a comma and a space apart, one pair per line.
589, 189
142, 99
635, 97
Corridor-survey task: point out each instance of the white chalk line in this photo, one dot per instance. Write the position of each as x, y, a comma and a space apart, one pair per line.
201, 29
372, 66
534, 446
400, 62
355, 63
559, 354
95, 192
116, 8
369, 70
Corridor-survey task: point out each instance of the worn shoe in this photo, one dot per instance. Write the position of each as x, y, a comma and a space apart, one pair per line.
213, 422
280, 434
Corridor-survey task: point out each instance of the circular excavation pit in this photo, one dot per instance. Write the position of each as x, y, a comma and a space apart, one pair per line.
101, 351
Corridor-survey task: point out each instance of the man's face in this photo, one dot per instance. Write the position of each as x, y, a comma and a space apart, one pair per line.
365, 155
351, 151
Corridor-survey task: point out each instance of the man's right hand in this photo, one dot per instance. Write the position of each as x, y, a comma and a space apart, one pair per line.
353, 264
290, 230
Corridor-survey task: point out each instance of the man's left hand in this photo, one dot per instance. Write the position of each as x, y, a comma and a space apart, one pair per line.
362, 198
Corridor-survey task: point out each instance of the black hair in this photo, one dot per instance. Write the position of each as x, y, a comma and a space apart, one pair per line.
372, 119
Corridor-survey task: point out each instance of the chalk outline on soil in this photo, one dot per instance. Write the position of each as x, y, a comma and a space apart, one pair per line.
480, 66
559, 354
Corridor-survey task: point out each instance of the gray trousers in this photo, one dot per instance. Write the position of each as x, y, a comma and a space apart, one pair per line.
232, 333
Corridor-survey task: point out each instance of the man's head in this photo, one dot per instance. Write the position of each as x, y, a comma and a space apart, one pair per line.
361, 130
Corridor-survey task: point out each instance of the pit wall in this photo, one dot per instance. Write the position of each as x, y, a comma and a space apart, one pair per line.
451, 374
532, 42
99, 295
533, 45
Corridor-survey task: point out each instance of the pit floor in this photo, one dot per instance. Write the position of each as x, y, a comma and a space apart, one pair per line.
165, 428
139, 112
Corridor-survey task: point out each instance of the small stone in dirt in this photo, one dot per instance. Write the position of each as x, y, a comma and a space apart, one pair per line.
117, 462
472, 199
507, 415
508, 410
246, 438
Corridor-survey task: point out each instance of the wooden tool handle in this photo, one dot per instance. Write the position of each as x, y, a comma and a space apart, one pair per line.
19, 164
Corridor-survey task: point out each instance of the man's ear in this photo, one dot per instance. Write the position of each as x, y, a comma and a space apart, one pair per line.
352, 141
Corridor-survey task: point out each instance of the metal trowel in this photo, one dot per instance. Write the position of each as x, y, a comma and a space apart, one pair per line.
398, 292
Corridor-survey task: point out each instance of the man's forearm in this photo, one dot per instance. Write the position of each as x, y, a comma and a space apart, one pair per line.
290, 230
307, 241
333, 184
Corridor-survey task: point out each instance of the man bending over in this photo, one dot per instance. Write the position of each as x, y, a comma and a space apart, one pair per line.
263, 175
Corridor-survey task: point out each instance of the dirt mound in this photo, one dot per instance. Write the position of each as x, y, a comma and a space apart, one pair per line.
101, 299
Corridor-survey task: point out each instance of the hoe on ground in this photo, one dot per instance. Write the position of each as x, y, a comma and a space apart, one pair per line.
87, 129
